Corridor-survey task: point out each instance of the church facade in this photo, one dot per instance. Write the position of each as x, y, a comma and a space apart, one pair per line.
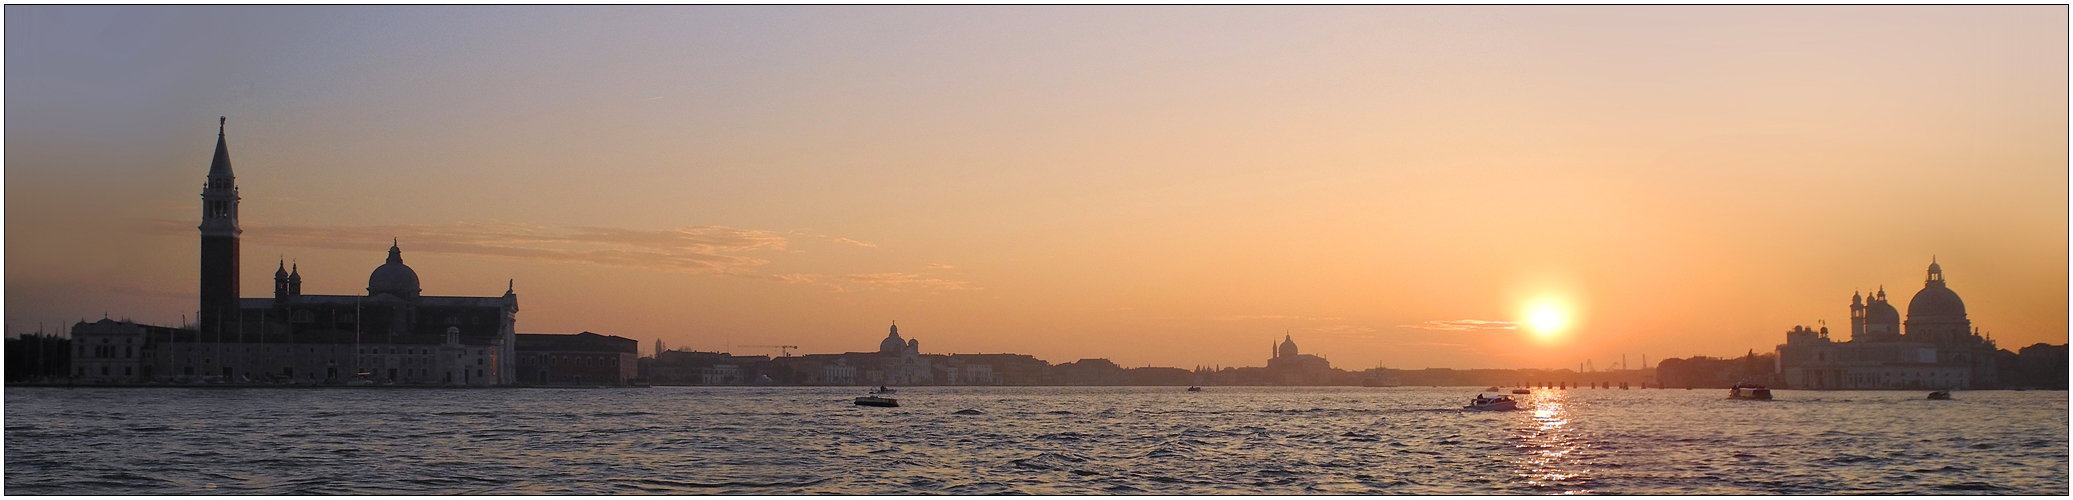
1935, 347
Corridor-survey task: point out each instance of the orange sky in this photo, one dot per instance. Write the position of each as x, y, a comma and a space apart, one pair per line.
1171, 186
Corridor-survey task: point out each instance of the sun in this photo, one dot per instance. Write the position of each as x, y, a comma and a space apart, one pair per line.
1547, 318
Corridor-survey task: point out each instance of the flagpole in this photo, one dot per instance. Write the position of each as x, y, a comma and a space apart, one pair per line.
358, 319
243, 360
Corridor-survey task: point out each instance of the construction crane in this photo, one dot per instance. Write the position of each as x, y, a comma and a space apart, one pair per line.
786, 349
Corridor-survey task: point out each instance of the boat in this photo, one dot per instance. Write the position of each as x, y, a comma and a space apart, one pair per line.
878, 397
1940, 395
1500, 403
1522, 391
1490, 389
877, 400
1749, 391
884, 390
1195, 389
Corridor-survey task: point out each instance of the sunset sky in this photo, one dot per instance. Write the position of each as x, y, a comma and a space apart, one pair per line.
1166, 186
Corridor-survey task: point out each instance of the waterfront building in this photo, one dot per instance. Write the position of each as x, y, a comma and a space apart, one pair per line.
115, 350
577, 359
1938, 348
897, 361
1002, 369
1290, 367
679, 367
1095, 371
393, 334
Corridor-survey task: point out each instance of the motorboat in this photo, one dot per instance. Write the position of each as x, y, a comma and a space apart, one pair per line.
1749, 391
1500, 403
1522, 391
878, 397
1940, 395
1195, 389
877, 400
1490, 389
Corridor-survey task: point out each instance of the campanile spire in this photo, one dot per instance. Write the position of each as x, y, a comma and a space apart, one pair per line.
219, 228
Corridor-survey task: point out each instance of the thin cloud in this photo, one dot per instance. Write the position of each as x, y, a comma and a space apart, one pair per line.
847, 241
1248, 317
715, 250
1463, 325
904, 280
790, 278
1432, 344
1339, 329
697, 249
123, 289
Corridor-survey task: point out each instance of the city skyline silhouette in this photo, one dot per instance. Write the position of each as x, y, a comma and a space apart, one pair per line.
1518, 190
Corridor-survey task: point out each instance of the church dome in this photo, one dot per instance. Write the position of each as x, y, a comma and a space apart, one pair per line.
1881, 313
393, 277
1935, 300
892, 343
1288, 346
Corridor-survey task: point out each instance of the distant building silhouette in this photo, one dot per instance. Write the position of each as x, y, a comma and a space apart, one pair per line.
897, 361
392, 335
1938, 350
577, 359
394, 332
1290, 367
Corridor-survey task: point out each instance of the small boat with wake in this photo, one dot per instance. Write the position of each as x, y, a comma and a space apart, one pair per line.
1500, 403
1750, 392
1940, 395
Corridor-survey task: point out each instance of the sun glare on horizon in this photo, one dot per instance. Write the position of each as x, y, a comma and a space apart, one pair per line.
1547, 318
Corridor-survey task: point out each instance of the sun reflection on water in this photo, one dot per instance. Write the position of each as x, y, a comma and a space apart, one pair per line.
1550, 446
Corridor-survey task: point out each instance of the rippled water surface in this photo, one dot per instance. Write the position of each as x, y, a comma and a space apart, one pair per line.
1027, 440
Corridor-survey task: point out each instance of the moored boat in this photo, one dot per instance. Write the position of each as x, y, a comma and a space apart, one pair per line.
1500, 403
1750, 392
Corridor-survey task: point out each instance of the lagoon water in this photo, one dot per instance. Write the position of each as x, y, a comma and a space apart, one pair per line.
1059, 440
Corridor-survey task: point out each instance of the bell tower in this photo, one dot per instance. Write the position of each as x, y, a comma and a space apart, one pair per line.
219, 271
1856, 316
